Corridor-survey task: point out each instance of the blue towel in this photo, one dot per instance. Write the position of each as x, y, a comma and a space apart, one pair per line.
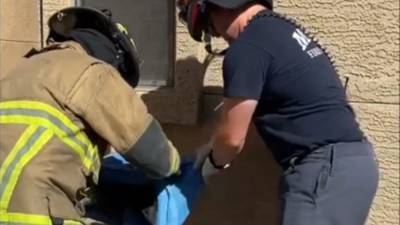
177, 196
124, 193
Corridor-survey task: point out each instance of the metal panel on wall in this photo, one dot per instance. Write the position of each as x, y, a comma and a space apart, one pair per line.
151, 23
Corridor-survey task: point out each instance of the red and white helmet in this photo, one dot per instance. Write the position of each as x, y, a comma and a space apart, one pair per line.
194, 13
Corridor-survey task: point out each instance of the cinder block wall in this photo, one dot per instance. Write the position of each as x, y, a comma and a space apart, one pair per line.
364, 38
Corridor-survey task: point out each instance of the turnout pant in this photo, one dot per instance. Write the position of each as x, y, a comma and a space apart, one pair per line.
333, 185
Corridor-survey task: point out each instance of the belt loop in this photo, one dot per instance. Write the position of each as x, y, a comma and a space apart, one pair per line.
292, 162
84, 198
291, 168
332, 159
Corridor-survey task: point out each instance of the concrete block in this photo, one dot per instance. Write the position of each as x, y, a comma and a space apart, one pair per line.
11, 53
20, 20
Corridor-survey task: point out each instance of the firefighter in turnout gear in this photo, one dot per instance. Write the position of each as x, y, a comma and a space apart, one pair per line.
61, 108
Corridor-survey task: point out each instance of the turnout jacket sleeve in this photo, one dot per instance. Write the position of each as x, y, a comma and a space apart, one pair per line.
110, 106
103, 99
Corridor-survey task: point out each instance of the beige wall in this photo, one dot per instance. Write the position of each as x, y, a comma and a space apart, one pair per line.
362, 35
19, 30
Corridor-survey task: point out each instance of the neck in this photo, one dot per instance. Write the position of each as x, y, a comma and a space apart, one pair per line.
248, 14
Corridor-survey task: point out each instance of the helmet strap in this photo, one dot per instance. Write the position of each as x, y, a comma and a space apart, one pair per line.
209, 49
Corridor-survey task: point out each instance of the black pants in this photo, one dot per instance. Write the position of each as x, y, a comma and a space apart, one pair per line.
333, 185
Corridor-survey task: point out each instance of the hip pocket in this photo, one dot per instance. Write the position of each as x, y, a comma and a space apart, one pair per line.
307, 179
321, 183
59, 209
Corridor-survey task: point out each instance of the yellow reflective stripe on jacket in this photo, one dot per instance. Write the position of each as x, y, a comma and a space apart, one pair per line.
20, 143
27, 219
56, 117
90, 162
28, 146
175, 160
32, 112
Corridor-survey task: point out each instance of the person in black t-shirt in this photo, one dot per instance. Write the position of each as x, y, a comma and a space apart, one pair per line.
277, 76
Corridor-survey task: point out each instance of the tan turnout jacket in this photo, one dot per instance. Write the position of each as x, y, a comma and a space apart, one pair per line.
52, 108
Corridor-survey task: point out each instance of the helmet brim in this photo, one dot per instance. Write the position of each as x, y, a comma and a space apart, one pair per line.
229, 4
66, 20
233, 4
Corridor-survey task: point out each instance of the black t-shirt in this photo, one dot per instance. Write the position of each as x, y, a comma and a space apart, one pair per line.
301, 101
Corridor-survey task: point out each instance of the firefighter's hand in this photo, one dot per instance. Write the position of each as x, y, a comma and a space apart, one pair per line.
205, 162
208, 170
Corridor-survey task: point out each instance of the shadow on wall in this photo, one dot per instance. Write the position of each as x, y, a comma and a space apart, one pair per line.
179, 104
247, 193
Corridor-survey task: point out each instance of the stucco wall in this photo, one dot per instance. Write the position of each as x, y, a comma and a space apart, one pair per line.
362, 35
19, 31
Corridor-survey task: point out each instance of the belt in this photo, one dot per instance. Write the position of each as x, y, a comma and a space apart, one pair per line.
335, 150
345, 149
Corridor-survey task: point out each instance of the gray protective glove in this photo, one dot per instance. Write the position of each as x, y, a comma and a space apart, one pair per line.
205, 162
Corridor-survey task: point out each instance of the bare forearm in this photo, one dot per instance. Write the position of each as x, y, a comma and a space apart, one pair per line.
230, 135
225, 149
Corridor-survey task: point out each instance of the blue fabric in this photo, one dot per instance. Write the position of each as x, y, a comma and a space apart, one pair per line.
124, 192
177, 196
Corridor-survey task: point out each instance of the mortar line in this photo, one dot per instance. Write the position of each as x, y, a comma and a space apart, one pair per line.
20, 41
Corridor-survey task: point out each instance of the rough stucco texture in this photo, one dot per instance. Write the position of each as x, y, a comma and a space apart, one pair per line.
364, 38
380, 122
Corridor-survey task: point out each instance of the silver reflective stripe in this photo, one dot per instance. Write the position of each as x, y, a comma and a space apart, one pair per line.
44, 115
21, 153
